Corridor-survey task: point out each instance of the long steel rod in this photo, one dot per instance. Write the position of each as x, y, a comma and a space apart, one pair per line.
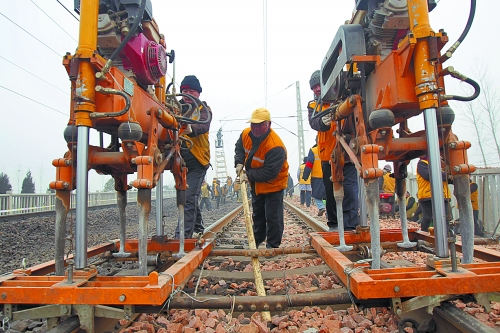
159, 207
438, 211
372, 203
144, 205
82, 153
462, 193
258, 303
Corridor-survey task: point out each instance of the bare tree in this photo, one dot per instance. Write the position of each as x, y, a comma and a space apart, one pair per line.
489, 103
473, 115
482, 113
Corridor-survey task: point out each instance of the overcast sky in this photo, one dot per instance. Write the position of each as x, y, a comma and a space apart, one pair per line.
222, 43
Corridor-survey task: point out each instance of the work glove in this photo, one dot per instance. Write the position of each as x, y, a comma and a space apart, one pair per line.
239, 167
188, 129
327, 119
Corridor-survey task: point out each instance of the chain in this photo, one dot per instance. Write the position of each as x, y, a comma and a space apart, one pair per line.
348, 272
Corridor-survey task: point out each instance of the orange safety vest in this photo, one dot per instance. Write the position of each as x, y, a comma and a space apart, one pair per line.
201, 146
317, 171
424, 187
326, 140
474, 196
271, 141
302, 181
205, 193
389, 184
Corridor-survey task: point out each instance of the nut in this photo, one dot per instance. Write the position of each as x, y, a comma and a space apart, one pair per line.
122, 298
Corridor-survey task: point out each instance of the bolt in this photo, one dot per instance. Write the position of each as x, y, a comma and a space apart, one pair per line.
65, 184
132, 161
366, 172
396, 289
363, 149
64, 310
452, 145
353, 145
380, 148
399, 311
279, 307
383, 132
266, 307
98, 75
122, 298
4, 295
253, 307
240, 307
456, 168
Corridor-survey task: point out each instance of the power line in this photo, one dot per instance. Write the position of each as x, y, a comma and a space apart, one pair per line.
76, 18
34, 75
12, 91
275, 94
58, 54
54, 21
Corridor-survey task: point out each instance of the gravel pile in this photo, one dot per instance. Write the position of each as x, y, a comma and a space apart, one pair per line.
19, 239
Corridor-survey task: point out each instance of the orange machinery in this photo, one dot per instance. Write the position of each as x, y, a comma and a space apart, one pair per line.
118, 87
383, 67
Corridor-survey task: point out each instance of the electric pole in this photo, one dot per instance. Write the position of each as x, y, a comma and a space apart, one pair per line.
300, 127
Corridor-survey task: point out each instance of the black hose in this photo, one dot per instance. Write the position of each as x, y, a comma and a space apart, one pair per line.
185, 118
447, 55
129, 35
168, 87
477, 90
469, 21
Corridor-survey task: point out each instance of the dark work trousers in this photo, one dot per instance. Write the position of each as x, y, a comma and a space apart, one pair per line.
192, 214
268, 218
206, 202
427, 213
217, 200
350, 202
305, 197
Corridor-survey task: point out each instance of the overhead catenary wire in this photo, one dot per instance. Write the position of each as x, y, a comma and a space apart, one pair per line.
58, 54
31, 99
27, 71
54, 21
76, 18
273, 95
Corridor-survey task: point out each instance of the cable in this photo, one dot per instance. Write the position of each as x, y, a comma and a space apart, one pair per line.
54, 21
35, 75
447, 55
58, 54
76, 18
35, 101
277, 93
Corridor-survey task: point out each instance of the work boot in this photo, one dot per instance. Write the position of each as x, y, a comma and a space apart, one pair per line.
321, 212
333, 228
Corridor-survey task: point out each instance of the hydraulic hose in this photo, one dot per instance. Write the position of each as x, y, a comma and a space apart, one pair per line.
185, 118
109, 91
124, 42
447, 55
451, 71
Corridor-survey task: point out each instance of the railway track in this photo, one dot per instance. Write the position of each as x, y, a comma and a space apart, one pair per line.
302, 293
